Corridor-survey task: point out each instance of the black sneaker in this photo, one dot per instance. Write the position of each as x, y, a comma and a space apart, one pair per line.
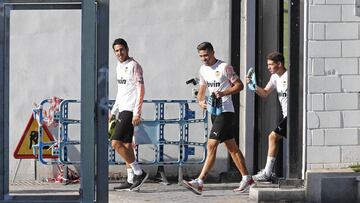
123, 187
139, 180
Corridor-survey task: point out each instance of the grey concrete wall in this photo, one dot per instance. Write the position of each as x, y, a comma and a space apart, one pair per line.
333, 58
162, 35
322, 184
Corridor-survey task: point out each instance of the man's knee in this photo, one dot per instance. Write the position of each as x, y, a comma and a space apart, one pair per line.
231, 146
116, 144
212, 146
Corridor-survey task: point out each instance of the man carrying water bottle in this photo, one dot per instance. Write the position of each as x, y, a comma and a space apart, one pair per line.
221, 81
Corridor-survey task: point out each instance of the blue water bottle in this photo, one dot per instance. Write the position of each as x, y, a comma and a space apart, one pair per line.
211, 104
218, 106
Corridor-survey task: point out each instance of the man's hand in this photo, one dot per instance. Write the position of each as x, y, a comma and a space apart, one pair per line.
219, 94
248, 79
111, 117
136, 120
202, 104
251, 79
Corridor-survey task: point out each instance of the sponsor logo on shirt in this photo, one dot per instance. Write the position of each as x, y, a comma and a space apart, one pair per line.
121, 81
213, 84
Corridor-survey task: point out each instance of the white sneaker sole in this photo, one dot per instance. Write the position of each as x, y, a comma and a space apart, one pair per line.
186, 184
122, 190
242, 191
246, 190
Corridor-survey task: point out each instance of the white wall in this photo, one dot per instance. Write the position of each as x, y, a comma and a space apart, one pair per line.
44, 62
162, 35
333, 84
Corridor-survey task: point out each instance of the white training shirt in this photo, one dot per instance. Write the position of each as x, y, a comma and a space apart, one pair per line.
130, 93
219, 77
280, 84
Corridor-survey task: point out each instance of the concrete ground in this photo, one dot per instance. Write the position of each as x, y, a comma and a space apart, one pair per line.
150, 192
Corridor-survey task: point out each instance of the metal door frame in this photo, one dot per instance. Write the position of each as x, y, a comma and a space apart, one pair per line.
292, 159
94, 94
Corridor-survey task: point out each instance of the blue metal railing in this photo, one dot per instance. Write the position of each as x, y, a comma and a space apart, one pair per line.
154, 128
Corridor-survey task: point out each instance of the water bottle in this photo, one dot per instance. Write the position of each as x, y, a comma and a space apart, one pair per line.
218, 106
211, 102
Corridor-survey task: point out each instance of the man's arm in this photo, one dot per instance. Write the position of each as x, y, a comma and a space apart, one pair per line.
140, 92
236, 84
262, 92
201, 96
236, 87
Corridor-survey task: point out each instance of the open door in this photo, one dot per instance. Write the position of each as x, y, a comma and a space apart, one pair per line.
279, 29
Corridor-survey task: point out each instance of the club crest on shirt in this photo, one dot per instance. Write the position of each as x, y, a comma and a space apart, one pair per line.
126, 69
217, 74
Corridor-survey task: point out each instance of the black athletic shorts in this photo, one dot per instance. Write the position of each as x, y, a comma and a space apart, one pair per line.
281, 128
222, 126
124, 129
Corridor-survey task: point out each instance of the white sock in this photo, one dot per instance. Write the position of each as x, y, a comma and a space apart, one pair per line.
130, 175
201, 182
246, 178
269, 165
136, 168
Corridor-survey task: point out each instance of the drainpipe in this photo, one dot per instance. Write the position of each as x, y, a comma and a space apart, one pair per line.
358, 188
305, 88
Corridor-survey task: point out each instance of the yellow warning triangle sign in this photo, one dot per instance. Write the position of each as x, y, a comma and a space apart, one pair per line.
24, 149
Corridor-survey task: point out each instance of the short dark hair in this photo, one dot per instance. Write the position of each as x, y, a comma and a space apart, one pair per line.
276, 57
121, 42
205, 46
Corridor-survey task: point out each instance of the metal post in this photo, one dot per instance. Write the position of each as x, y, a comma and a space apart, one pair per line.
161, 170
3, 164
102, 165
88, 78
294, 137
247, 98
4, 108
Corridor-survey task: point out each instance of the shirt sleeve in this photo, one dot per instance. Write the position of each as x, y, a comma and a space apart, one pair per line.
115, 108
230, 74
140, 89
201, 79
271, 85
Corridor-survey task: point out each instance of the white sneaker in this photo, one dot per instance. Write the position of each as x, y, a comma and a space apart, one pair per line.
262, 177
245, 186
194, 186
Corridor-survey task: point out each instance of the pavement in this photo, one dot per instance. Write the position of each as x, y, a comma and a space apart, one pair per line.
151, 191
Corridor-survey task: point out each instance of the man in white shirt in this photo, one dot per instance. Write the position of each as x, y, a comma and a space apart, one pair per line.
221, 81
278, 82
127, 109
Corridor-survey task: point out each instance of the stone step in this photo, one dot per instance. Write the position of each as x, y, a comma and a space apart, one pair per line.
272, 193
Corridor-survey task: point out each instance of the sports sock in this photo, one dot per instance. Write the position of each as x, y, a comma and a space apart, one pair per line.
201, 182
269, 165
246, 178
136, 168
130, 175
